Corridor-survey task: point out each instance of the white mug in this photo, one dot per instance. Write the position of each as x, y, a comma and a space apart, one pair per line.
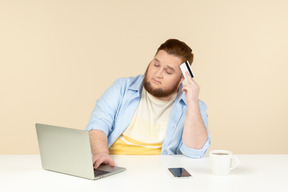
222, 162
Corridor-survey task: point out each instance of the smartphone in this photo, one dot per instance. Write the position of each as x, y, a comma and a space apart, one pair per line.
186, 67
179, 172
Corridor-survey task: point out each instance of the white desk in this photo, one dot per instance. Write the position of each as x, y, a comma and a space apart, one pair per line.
149, 173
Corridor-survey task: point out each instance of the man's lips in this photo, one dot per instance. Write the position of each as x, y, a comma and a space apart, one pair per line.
155, 81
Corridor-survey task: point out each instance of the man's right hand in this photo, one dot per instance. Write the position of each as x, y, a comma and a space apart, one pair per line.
99, 148
100, 158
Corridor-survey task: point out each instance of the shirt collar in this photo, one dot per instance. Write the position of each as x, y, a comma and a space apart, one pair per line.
136, 85
181, 97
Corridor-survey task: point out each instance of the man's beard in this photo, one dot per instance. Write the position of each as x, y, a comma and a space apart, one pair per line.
159, 92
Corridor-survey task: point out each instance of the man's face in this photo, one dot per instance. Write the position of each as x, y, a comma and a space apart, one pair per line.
163, 75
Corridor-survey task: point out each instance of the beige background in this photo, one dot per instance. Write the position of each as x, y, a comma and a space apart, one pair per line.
57, 57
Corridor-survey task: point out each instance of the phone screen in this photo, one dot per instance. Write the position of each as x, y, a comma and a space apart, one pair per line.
179, 172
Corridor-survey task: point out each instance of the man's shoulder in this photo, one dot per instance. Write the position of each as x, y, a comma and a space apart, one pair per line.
130, 82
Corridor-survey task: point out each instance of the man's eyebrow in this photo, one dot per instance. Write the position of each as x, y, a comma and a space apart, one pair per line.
157, 60
171, 68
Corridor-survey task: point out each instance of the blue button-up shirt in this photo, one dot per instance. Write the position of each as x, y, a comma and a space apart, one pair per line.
116, 107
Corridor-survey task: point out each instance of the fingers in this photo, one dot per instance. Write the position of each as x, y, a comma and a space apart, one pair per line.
189, 78
111, 162
98, 159
185, 82
97, 164
190, 87
190, 81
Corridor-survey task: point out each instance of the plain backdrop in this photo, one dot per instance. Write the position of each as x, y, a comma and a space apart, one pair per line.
57, 57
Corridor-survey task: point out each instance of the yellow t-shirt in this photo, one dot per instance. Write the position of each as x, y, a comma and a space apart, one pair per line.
147, 130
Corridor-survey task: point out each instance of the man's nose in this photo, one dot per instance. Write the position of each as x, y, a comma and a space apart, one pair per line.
160, 73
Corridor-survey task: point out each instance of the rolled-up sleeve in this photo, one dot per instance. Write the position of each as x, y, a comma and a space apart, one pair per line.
194, 153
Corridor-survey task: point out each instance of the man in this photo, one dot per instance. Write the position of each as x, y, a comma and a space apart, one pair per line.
155, 113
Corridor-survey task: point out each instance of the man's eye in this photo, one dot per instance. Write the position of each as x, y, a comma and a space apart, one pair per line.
168, 72
156, 65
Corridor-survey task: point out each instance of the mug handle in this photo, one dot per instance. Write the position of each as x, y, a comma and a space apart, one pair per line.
236, 162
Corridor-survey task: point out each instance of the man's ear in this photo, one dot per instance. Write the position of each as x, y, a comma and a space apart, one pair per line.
182, 79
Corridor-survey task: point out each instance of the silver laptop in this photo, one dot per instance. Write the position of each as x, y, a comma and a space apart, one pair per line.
68, 151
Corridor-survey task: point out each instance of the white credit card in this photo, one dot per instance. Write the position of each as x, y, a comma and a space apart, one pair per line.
186, 67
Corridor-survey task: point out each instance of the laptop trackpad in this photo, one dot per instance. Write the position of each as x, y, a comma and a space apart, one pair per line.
105, 170
98, 173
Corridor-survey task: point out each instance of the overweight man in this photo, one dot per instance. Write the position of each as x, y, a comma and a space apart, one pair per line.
151, 114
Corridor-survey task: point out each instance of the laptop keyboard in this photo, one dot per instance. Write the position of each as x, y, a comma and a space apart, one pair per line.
99, 172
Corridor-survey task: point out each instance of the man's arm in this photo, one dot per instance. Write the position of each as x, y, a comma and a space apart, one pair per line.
101, 122
99, 147
195, 133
